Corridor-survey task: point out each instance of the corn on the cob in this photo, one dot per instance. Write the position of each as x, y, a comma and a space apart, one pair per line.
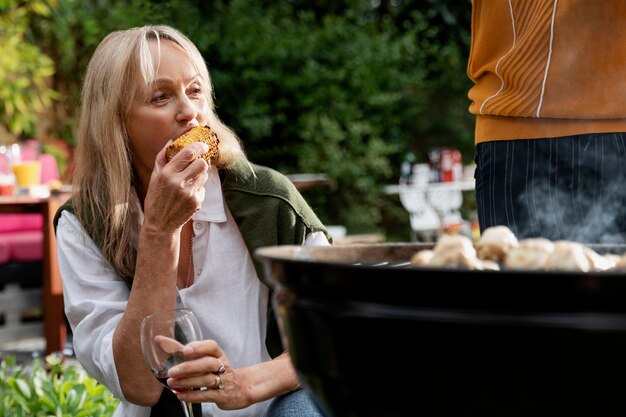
197, 134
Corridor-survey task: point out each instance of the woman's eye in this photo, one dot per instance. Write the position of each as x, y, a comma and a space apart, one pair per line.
196, 89
158, 98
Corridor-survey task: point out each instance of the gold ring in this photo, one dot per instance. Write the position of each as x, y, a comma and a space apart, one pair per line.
218, 384
222, 368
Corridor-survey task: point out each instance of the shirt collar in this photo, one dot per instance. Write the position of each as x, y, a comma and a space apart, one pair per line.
212, 209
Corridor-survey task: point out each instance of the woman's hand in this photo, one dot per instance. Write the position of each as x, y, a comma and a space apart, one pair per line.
176, 189
229, 388
207, 370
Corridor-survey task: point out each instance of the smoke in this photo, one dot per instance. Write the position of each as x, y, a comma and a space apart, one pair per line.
571, 188
574, 209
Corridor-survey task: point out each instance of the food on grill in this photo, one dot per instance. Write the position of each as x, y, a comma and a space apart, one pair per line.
600, 262
530, 254
422, 257
487, 265
572, 256
455, 251
613, 259
197, 134
495, 243
620, 265
498, 248
568, 256
620, 262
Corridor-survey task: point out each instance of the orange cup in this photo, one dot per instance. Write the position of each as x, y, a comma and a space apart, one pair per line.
27, 173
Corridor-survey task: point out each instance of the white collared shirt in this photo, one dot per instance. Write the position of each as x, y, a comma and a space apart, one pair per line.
227, 297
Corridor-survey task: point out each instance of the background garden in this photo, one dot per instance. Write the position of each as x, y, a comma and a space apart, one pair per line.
345, 88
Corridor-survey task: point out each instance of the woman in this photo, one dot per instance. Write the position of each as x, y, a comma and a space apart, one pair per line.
141, 234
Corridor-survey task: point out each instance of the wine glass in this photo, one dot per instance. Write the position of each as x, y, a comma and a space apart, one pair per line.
163, 336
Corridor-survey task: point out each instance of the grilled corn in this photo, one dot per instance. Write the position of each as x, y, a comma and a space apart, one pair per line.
197, 134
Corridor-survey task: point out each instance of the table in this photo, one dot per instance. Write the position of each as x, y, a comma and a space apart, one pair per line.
431, 205
55, 329
306, 181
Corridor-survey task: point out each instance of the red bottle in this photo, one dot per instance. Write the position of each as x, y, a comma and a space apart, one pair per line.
451, 166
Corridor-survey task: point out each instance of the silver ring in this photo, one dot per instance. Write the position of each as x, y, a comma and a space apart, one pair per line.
222, 368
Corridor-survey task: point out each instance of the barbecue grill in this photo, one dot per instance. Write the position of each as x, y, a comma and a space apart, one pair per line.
371, 335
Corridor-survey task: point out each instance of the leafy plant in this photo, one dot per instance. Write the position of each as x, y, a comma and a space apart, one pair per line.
24, 70
71, 34
53, 389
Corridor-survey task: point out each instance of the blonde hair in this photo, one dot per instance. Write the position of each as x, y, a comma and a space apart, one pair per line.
120, 69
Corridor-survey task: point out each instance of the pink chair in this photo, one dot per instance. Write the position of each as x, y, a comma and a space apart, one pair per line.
5, 166
21, 238
49, 168
21, 268
21, 235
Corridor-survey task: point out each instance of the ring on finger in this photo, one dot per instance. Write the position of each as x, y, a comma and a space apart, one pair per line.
218, 383
222, 368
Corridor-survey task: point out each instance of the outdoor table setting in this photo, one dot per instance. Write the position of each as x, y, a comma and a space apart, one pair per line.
30, 194
433, 193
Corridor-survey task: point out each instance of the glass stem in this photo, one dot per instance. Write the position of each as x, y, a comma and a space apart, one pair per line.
187, 408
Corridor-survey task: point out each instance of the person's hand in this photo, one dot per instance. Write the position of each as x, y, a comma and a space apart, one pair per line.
176, 189
166, 347
207, 371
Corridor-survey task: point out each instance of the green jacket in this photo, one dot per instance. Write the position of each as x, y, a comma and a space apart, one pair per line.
267, 208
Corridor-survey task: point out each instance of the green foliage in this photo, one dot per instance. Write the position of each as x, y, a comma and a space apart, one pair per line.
71, 35
345, 93
51, 390
309, 96
24, 69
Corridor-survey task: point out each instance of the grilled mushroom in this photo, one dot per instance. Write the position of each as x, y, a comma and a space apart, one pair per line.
495, 243
422, 257
531, 254
568, 256
455, 251
599, 262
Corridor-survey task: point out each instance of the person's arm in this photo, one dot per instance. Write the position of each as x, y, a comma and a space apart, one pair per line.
94, 297
175, 192
154, 287
100, 310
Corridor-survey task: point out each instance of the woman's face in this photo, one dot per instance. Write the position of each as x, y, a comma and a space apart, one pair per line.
175, 102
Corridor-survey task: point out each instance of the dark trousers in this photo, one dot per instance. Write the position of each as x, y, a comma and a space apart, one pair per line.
559, 188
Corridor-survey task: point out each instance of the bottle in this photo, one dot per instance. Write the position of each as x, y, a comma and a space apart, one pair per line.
434, 158
406, 168
451, 167
445, 165
457, 165
420, 175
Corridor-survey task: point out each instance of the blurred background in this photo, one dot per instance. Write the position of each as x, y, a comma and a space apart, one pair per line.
346, 89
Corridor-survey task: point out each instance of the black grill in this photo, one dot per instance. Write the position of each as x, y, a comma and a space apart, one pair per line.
372, 336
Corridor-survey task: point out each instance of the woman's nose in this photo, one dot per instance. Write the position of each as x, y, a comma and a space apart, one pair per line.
187, 110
